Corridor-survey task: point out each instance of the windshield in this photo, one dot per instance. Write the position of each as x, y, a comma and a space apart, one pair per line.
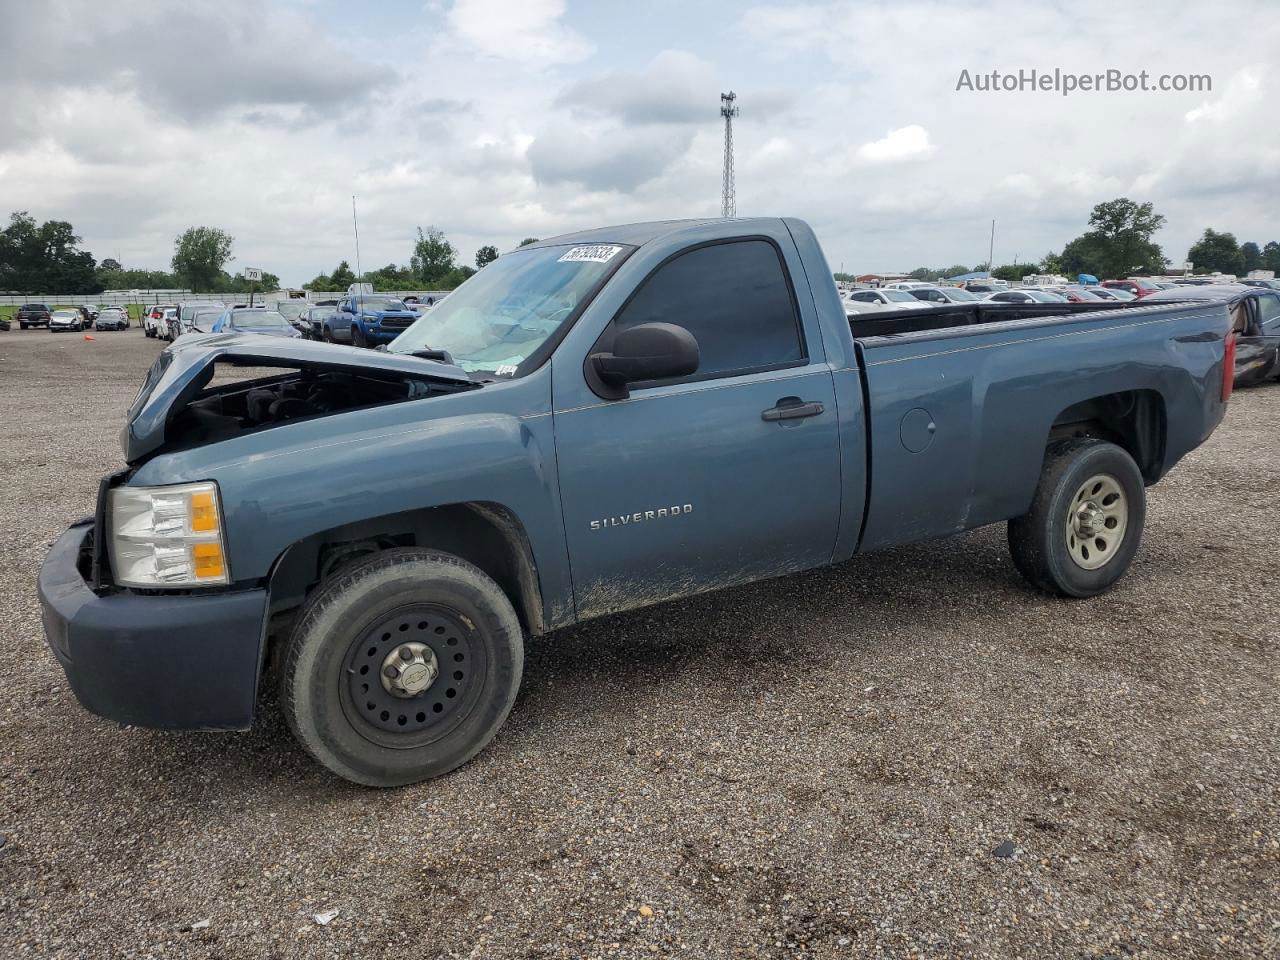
498, 318
256, 319
900, 295
66, 314
372, 304
291, 310
1044, 297
957, 295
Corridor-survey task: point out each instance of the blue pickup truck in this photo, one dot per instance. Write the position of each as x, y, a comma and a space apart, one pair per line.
367, 320
590, 424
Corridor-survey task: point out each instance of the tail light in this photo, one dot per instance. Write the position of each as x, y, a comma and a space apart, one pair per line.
1229, 366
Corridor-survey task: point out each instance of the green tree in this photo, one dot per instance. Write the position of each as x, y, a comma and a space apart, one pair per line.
199, 256
342, 277
1122, 232
1252, 254
955, 270
321, 281
433, 256
453, 278
1015, 271
486, 255
110, 265
923, 273
1218, 252
528, 240
1271, 257
44, 258
1052, 263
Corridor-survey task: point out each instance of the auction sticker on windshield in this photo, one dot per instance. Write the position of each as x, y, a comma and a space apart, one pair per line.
595, 253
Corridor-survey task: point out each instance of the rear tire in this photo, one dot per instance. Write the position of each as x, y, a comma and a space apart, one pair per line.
359, 625
1085, 523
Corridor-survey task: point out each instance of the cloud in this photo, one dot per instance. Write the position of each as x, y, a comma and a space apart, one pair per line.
190, 61
527, 31
905, 143
674, 87
1244, 90
612, 158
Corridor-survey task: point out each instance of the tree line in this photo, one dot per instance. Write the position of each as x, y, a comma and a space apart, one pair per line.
47, 258
1119, 244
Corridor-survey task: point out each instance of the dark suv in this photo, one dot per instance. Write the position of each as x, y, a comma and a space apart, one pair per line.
33, 315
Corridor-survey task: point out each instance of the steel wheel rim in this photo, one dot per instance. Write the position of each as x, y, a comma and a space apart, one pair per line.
1097, 518
405, 722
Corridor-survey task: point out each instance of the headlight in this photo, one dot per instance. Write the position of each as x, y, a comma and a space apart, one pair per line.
167, 536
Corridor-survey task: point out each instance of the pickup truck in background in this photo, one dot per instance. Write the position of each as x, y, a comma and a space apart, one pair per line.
33, 315
367, 320
590, 424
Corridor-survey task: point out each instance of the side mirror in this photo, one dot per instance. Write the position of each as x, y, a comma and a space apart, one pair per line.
648, 351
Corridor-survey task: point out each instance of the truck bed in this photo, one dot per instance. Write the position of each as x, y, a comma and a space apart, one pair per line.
962, 402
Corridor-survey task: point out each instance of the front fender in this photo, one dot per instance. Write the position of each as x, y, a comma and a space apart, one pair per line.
285, 484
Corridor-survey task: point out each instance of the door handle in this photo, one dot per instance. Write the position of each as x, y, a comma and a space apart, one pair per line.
792, 408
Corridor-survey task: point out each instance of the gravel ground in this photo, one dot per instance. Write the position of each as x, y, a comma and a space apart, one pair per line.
817, 766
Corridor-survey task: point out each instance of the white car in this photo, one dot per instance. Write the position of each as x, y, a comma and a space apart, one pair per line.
66, 320
1026, 296
869, 301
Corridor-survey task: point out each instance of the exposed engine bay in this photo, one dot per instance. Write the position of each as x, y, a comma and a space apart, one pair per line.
225, 411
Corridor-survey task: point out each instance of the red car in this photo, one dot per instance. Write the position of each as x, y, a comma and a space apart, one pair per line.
1135, 285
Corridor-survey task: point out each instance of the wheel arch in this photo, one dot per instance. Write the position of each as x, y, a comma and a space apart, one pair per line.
484, 533
1134, 420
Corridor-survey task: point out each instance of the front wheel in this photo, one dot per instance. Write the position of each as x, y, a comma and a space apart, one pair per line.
358, 338
402, 667
1085, 523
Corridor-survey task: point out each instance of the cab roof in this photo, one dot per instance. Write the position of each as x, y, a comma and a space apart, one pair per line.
638, 234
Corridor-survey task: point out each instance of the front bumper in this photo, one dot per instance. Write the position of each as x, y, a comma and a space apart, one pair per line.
181, 661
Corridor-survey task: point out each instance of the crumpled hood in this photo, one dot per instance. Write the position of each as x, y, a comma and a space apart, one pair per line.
185, 368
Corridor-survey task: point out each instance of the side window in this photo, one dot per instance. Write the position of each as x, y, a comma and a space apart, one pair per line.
735, 298
863, 297
1269, 310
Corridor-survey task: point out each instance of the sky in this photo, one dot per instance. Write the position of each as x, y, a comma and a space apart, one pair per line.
496, 120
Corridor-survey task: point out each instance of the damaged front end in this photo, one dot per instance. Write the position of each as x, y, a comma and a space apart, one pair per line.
179, 406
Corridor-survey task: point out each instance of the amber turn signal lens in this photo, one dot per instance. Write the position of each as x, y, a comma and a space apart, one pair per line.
204, 515
207, 559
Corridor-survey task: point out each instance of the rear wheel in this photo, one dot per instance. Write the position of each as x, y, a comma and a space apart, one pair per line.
1085, 523
402, 668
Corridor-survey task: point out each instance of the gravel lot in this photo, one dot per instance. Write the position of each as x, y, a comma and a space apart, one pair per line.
816, 766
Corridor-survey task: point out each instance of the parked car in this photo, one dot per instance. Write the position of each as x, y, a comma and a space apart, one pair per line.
33, 315
1111, 293
367, 319
1256, 313
294, 311
65, 319
1078, 294
866, 301
111, 318
1138, 286
983, 287
187, 311
153, 319
387, 527
313, 319
167, 327
943, 295
200, 319
906, 285
1265, 284
4, 323
254, 320
1025, 296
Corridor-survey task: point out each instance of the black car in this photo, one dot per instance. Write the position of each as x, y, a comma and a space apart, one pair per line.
4, 324
33, 315
111, 318
1257, 324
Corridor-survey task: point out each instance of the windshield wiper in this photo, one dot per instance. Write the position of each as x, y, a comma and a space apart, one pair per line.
440, 356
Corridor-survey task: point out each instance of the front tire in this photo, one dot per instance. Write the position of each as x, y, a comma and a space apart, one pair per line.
402, 667
358, 338
1085, 523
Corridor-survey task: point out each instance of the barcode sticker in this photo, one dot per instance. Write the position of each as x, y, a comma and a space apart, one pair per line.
595, 253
